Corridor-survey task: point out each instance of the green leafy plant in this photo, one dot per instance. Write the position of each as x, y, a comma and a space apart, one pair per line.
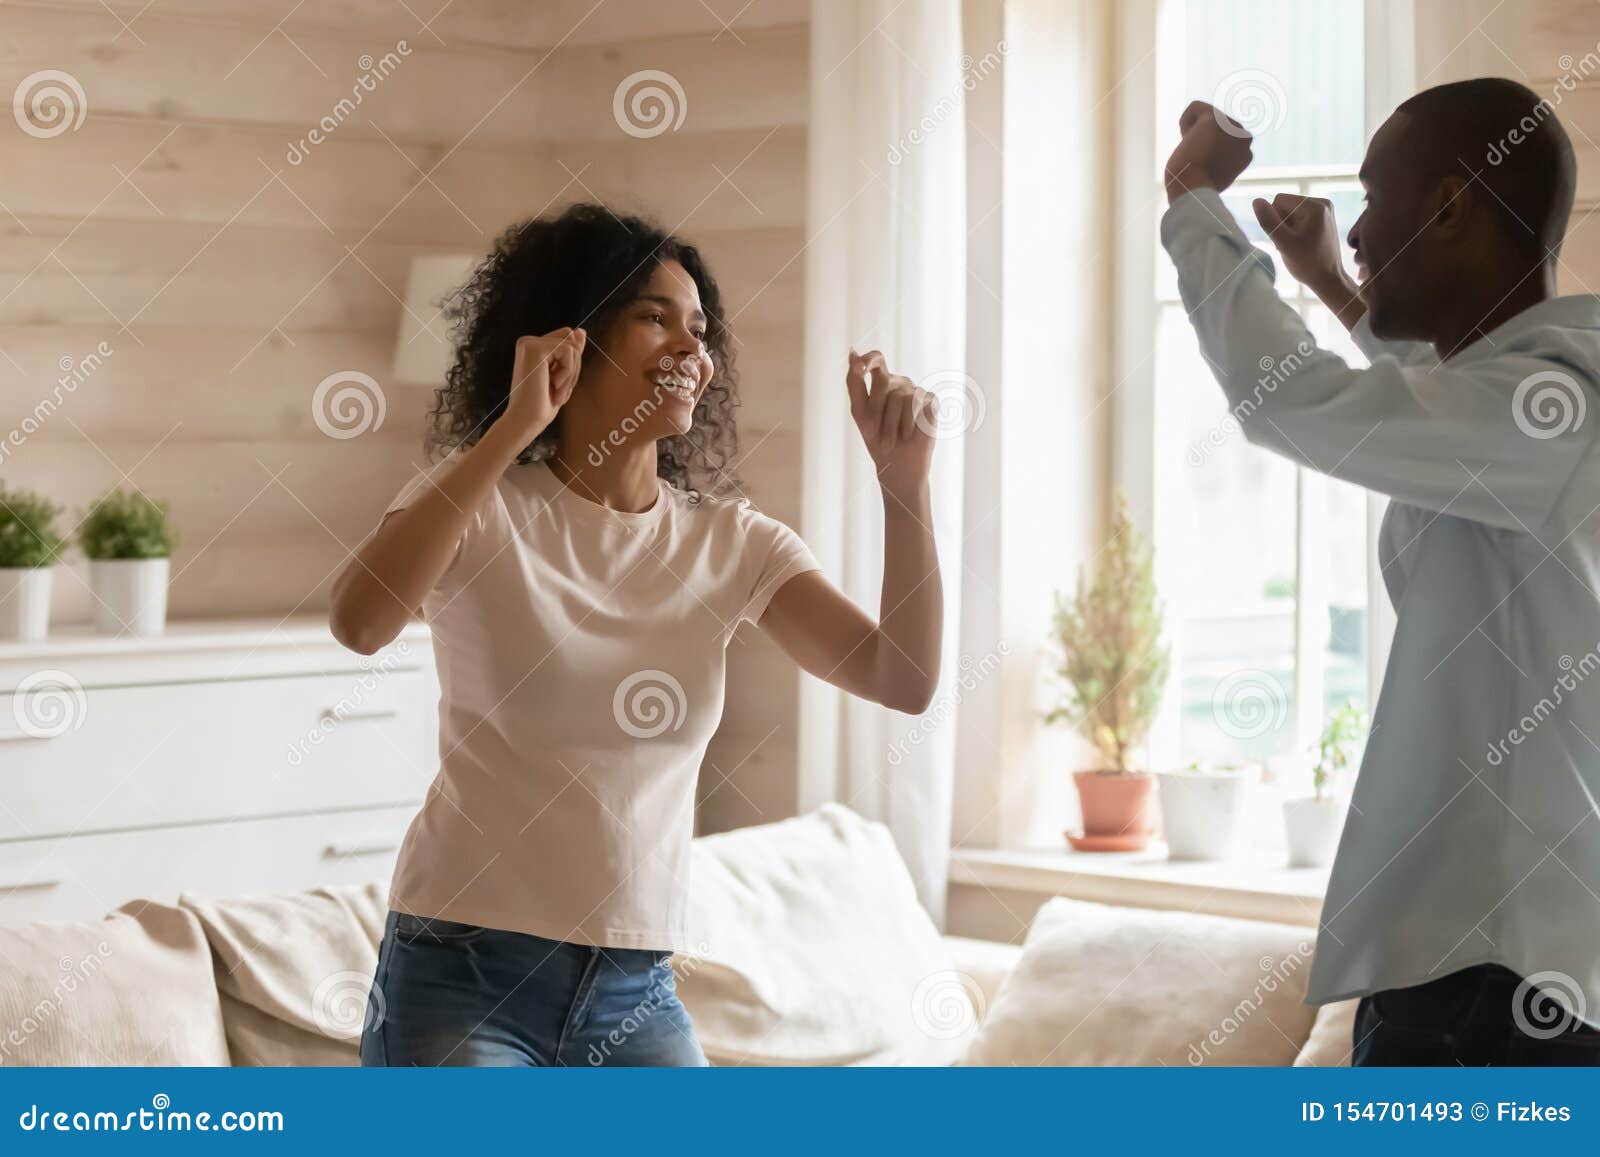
1113, 661
27, 529
1339, 734
122, 525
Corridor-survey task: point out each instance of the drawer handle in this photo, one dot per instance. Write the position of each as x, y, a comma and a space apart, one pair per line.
23, 737
370, 848
28, 885
334, 715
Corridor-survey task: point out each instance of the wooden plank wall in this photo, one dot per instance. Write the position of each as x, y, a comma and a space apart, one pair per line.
229, 278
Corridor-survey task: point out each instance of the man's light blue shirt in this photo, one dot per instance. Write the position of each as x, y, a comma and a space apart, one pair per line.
1474, 829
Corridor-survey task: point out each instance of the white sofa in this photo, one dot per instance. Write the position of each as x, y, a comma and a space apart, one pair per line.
815, 952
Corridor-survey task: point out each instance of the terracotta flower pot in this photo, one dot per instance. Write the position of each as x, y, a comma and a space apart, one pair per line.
1118, 810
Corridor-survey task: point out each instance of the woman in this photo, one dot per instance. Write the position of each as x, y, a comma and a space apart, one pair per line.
582, 590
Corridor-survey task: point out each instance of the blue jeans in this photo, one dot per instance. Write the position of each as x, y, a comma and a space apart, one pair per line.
461, 994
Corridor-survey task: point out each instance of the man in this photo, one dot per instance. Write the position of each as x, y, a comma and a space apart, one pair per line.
1464, 904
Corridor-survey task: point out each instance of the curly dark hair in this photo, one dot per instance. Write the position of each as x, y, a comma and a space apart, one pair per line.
579, 268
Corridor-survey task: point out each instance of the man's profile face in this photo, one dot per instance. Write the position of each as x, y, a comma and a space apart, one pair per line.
1390, 238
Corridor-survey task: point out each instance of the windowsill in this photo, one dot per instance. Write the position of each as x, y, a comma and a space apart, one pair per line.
1256, 885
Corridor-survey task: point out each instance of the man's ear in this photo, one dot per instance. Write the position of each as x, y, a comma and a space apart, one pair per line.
1454, 201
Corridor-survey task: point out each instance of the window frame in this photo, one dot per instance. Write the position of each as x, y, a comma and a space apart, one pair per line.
1144, 434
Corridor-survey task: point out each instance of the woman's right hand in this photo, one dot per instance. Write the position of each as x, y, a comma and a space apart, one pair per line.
542, 377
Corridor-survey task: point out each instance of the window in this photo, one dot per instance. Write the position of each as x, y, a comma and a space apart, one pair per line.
1269, 574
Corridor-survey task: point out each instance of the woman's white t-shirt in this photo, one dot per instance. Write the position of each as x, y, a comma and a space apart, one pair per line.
581, 654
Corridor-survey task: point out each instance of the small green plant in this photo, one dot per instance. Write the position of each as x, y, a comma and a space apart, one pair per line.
1113, 662
122, 525
1339, 734
27, 529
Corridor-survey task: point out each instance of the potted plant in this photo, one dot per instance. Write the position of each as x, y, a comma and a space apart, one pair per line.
1313, 822
1114, 669
129, 544
29, 548
1203, 809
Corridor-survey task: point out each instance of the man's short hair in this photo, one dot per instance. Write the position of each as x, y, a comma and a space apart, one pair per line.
1503, 135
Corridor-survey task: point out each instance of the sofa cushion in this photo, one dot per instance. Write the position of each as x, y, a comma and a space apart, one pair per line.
986, 962
293, 971
1105, 985
132, 988
1332, 1036
816, 951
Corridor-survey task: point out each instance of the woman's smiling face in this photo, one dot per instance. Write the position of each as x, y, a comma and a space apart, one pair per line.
651, 366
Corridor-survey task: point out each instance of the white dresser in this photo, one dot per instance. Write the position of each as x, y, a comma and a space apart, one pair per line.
227, 757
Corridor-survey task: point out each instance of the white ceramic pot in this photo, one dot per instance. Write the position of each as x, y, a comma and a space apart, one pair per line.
1313, 826
25, 602
1202, 812
130, 595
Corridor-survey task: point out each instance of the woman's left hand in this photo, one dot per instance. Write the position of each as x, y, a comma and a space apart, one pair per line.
897, 421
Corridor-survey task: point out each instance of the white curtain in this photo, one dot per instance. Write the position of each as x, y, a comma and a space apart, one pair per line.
885, 269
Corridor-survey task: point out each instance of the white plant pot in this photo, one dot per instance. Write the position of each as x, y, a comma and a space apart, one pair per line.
130, 595
25, 602
1202, 813
1313, 826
